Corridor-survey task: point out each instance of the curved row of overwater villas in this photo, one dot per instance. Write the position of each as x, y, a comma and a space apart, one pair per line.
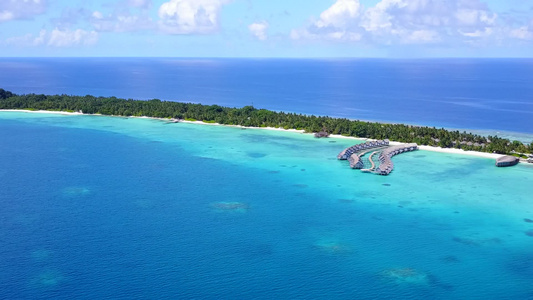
354, 153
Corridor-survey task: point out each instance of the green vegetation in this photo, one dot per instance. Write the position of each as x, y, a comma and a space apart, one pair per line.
250, 116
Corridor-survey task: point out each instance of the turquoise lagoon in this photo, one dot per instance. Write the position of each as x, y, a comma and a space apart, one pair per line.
100, 207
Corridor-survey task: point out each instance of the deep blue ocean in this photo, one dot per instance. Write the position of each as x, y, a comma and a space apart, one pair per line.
95, 207
490, 96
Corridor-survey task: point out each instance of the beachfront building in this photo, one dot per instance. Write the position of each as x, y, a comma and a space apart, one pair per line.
506, 161
321, 134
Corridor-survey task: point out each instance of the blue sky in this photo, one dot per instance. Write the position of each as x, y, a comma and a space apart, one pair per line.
267, 28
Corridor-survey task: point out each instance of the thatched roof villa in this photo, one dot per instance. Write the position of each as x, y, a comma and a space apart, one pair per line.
506, 161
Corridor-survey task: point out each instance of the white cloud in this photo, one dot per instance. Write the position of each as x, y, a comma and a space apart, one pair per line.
473, 17
27, 40
67, 38
56, 38
421, 36
487, 31
258, 30
190, 16
124, 16
522, 33
335, 35
40, 39
339, 13
175, 17
143, 4
21, 9
121, 22
6, 15
338, 22
402, 22
97, 15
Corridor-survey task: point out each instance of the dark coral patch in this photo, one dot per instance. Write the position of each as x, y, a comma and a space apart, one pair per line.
477, 242
346, 200
450, 259
230, 206
466, 241
406, 276
256, 154
300, 185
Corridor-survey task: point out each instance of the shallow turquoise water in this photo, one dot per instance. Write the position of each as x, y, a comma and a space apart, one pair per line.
100, 207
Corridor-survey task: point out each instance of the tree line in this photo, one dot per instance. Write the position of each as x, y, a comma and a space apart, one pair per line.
253, 117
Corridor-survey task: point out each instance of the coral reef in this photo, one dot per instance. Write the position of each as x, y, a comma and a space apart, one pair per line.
74, 191
332, 247
406, 275
230, 206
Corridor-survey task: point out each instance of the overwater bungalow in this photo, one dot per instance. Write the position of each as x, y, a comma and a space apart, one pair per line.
386, 166
353, 155
355, 161
346, 153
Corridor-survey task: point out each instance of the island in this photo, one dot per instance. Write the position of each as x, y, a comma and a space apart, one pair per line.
250, 116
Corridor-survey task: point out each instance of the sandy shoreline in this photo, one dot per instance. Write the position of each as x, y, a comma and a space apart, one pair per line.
421, 147
44, 111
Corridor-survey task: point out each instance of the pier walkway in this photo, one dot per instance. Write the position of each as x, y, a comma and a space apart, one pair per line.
373, 167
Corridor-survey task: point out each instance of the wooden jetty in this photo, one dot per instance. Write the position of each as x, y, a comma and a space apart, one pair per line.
373, 167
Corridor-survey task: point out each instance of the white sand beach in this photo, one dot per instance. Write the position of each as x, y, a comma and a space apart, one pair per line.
44, 111
421, 147
434, 149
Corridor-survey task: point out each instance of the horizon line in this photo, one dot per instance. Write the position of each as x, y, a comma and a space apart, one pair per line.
286, 57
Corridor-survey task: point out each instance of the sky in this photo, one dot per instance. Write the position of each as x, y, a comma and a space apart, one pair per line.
266, 28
